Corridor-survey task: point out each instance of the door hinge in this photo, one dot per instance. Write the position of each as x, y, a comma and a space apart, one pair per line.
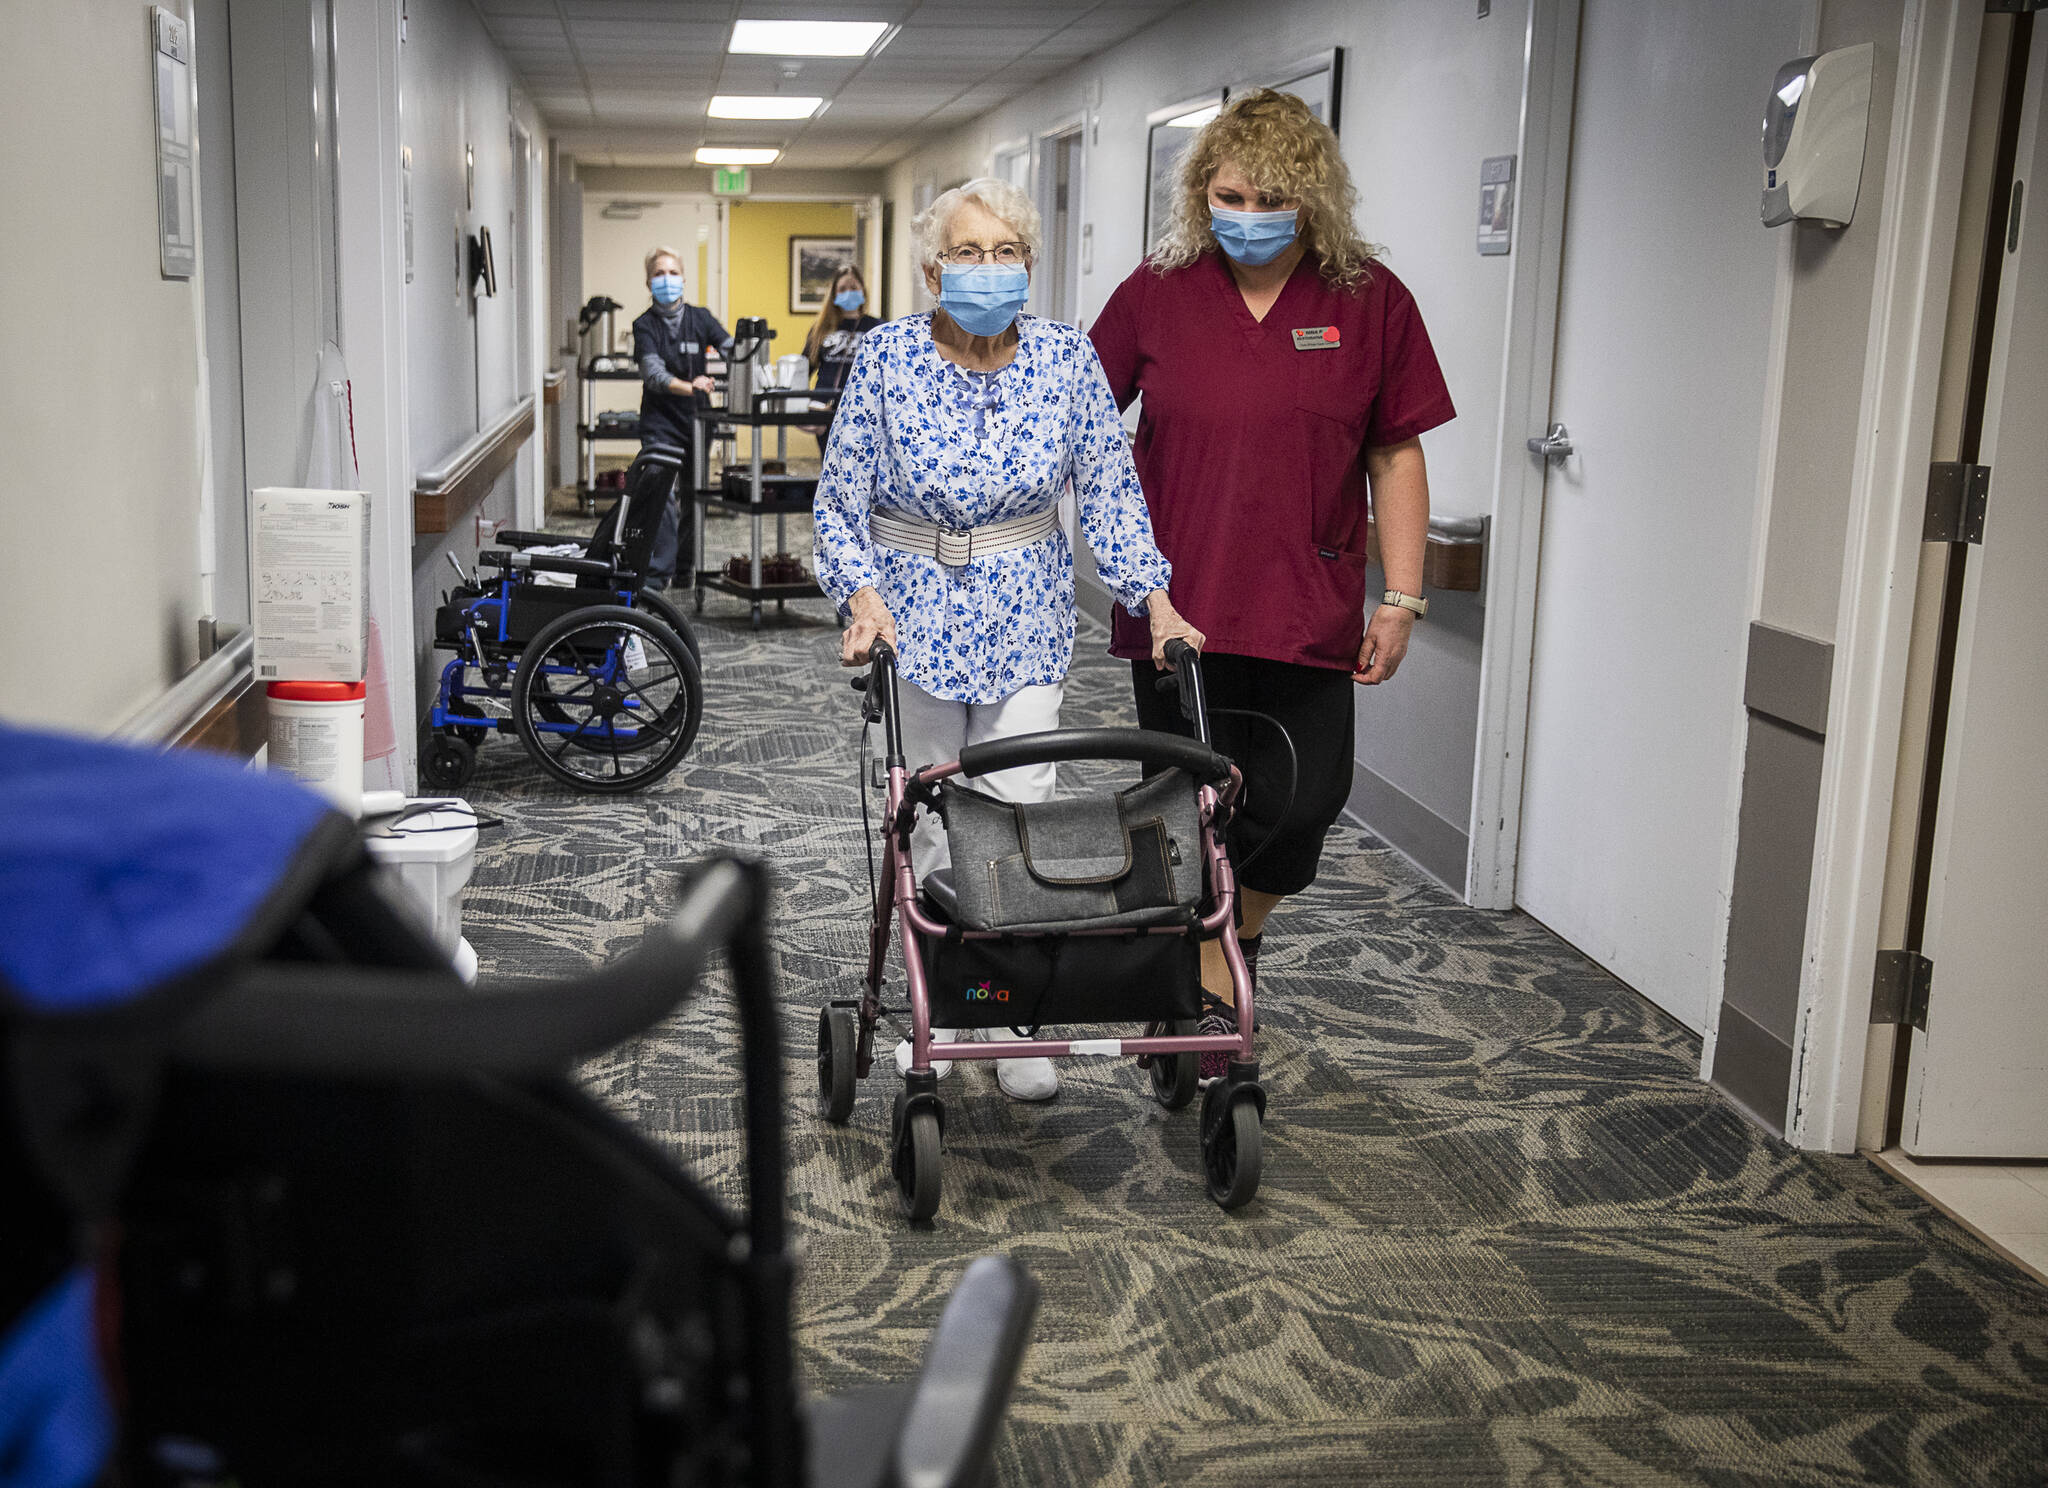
1957, 493
1898, 992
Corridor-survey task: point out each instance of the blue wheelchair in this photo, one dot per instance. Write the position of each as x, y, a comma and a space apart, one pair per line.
595, 673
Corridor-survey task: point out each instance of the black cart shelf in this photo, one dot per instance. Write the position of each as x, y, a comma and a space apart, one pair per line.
768, 411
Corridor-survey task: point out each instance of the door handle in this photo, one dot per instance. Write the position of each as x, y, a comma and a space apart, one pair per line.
1554, 445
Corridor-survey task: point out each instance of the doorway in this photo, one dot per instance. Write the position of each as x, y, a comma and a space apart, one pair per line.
1971, 1076
1647, 539
1061, 206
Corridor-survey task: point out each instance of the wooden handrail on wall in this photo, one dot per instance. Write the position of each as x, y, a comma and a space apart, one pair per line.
216, 705
440, 497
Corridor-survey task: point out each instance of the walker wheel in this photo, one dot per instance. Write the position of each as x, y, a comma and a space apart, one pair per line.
1232, 1143
1175, 1077
915, 1160
447, 763
836, 1037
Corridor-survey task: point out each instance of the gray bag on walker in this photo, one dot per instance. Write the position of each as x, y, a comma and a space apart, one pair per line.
1132, 859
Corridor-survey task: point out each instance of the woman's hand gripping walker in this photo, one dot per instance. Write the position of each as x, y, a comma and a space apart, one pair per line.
1130, 956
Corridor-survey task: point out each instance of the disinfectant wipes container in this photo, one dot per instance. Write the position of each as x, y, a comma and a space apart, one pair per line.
316, 733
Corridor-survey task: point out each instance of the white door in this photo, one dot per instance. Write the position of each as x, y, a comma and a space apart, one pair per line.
1977, 1085
619, 230
1643, 593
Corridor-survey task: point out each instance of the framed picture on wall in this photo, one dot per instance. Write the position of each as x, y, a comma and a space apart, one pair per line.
813, 262
1317, 81
1169, 131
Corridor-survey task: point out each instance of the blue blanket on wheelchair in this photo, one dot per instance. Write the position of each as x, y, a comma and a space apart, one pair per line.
124, 869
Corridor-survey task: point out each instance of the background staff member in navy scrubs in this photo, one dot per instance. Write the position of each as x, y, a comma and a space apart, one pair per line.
669, 341
1259, 491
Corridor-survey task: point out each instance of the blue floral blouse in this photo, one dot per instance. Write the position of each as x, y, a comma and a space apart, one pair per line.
918, 436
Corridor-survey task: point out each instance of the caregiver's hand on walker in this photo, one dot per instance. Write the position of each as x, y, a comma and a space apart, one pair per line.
871, 622
1167, 625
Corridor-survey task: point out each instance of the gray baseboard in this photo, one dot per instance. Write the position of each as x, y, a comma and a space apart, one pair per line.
1753, 1067
1432, 844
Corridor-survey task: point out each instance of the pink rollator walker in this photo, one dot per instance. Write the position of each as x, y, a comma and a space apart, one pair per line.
1068, 912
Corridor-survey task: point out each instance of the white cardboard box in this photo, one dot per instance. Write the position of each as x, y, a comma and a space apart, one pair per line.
310, 554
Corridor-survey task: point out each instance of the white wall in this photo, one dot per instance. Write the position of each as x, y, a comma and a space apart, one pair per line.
99, 443
1429, 91
459, 96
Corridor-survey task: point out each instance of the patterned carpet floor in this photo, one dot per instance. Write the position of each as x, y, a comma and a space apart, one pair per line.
1505, 1236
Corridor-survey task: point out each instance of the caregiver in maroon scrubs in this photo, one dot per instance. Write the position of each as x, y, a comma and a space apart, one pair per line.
1287, 380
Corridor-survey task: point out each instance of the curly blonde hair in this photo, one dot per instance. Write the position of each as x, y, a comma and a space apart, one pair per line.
1274, 139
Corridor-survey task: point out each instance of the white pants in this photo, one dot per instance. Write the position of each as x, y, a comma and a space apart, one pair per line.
935, 731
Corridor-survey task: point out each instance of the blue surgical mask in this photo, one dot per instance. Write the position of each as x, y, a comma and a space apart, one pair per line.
1252, 238
668, 288
984, 298
850, 300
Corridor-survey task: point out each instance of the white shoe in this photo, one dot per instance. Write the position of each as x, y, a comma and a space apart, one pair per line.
940, 1067
1023, 1079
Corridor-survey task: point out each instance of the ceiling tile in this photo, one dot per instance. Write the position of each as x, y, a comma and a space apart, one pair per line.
543, 32
657, 11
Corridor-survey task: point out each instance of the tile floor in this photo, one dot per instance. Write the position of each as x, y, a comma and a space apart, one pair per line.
2006, 1203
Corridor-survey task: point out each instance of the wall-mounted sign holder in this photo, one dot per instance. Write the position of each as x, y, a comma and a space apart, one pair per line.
176, 215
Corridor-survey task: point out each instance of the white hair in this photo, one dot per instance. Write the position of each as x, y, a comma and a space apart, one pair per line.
662, 252
1001, 198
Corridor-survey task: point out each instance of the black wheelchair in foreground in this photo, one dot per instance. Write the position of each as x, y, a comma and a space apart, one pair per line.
350, 1221
595, 673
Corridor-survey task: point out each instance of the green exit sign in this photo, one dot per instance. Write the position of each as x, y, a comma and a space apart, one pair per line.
731, 180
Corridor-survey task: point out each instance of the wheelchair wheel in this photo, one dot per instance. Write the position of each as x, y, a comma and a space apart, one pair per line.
1175, 1077
473, 734
665, 610
607, 699
447, 763
836, 1037
1233, 1143
914, 1150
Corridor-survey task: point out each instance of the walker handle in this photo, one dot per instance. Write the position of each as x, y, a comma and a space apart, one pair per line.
1187, 677
1166, 751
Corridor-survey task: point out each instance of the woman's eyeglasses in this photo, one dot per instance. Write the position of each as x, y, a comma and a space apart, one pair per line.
962, 255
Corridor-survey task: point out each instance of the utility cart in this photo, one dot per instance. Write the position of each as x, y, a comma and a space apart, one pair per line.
753, 492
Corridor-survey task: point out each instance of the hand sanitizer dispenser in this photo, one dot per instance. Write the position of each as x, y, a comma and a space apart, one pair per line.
1814, 128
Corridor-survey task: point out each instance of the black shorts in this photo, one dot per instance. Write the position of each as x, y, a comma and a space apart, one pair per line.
1317, 706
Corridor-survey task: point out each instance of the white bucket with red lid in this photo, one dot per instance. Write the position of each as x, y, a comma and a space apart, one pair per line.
316, 734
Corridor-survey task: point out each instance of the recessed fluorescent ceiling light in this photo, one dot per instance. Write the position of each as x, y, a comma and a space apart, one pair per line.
1197, 118
729, 106
806, 38
717, 155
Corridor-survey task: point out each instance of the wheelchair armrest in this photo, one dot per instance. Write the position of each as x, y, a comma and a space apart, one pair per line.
511, 538
969, 1369
304, 1017
546, 563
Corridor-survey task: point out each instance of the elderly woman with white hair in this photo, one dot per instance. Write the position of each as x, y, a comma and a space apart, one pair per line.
937, 510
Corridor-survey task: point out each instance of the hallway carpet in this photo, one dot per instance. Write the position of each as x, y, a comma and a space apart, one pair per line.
1505, 1235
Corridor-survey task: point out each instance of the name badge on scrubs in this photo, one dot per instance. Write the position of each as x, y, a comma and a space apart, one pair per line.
1317, 338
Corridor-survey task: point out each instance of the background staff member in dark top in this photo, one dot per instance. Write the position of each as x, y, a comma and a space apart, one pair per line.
835, 337
1259, 493
669, 342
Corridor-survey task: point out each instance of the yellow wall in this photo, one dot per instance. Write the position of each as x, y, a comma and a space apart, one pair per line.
757, 260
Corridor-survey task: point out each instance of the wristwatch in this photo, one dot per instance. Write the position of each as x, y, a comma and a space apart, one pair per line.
1399, 600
